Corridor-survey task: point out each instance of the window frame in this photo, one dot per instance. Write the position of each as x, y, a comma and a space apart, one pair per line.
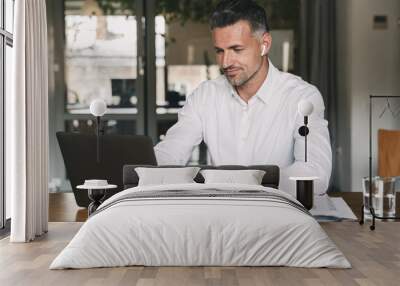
6, 39
146, 119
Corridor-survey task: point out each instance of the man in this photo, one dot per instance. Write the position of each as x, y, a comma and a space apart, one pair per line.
249, 114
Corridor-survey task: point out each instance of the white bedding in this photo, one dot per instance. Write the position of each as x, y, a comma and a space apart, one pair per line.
200, 231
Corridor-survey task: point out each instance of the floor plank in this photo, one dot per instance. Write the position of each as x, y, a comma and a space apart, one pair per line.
375, 257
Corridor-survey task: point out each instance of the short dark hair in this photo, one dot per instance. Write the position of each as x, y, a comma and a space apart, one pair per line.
228, 12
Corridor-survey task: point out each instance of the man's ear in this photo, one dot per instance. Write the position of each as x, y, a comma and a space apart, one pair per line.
266, 41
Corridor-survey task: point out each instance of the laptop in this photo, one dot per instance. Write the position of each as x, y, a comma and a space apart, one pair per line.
80, 157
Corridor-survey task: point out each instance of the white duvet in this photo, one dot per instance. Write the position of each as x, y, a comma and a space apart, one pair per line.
200, 231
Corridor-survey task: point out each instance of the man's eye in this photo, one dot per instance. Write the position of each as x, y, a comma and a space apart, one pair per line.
219, 51
238, 50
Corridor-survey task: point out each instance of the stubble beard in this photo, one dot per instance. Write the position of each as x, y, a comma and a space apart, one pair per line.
238, 81
243, 78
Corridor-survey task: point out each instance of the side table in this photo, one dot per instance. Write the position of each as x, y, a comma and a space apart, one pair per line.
305, 190
96, 195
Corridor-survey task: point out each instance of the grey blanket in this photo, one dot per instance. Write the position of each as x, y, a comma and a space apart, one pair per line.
206, 194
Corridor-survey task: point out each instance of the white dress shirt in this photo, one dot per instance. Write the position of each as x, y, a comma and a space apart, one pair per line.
262, 131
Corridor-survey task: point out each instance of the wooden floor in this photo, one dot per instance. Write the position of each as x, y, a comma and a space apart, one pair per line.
63, 208
374, 255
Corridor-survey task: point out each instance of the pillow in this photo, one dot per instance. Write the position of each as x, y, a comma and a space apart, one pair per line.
166, 176
248, 177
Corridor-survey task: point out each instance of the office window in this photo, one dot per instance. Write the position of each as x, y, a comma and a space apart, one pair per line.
94, 53
9, 11
100, 60
8, 82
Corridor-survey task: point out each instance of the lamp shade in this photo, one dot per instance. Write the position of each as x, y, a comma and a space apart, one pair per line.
98, 107
305, 107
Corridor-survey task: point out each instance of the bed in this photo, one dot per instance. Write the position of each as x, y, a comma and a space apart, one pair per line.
198, 224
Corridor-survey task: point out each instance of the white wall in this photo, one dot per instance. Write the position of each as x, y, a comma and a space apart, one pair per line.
368, 63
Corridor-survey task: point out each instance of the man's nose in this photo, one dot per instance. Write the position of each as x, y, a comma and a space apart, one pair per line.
226, 60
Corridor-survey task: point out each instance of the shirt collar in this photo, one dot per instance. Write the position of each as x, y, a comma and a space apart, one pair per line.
264, 92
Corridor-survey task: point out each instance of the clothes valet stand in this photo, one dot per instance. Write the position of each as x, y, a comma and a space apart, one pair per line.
374, 216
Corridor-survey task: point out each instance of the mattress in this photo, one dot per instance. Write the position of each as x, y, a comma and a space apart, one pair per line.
201, 225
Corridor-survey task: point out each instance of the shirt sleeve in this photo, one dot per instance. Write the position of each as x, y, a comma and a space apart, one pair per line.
319, 153
182, 137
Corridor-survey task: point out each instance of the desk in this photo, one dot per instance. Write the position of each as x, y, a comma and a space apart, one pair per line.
355, 201
62, 206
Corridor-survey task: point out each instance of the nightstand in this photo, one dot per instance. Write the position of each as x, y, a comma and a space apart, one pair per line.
305, 190
96, 195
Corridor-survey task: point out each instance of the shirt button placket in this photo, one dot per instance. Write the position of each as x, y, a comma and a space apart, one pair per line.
244, 130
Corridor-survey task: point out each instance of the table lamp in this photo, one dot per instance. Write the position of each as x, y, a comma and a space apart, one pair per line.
305, 108
305, 185
98, 108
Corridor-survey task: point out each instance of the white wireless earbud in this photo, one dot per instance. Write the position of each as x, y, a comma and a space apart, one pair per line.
263, 50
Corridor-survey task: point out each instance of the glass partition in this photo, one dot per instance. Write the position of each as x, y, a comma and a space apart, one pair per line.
100, 60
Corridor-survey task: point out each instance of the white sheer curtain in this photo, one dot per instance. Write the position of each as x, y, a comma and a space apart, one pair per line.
27, 124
